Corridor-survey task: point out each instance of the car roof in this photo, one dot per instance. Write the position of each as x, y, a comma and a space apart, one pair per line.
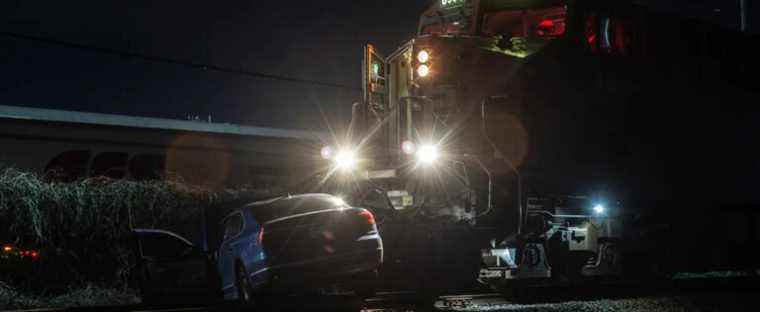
288, 197
281, 198
156, 231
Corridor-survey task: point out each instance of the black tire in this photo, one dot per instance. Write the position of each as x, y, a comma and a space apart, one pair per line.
243, 285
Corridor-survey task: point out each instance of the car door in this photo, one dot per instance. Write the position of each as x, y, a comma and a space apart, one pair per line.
233, 227
171, 269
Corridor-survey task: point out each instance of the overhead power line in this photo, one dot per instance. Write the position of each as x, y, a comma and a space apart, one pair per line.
159, 59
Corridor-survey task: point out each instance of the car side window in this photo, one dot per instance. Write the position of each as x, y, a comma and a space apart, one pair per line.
233, 226
163, 246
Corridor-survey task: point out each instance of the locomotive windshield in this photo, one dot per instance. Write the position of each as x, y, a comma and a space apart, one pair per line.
541, 23
448, 20
521, 27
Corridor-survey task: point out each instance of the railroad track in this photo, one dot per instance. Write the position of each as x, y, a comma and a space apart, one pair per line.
411, 301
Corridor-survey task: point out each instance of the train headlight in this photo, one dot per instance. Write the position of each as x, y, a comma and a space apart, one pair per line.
428, 154
423, 56
326, 152
423, 70
345, 160
599, 209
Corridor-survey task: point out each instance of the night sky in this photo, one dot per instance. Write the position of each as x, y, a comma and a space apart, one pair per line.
315, 40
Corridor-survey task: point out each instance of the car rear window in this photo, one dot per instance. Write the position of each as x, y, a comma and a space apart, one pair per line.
295, 205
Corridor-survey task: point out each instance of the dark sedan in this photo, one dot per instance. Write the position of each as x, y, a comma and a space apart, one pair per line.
293, 242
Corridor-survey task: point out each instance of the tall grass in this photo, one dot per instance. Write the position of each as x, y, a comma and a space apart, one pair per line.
83, 296
83, 228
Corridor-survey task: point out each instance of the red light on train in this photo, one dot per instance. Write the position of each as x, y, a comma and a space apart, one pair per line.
546, 24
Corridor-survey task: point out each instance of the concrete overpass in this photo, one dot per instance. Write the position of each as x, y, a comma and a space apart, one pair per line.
67, 145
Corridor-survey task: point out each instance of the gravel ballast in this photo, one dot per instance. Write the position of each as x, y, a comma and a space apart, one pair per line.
713, 301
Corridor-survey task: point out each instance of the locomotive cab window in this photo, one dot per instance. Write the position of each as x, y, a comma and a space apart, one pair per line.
456, 27
450, 18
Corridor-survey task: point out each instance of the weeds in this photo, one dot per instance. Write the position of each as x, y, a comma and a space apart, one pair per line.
83, 228
86, 296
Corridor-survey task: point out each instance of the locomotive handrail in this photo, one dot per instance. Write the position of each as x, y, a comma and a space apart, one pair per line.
521, 213
489, 203
560, 216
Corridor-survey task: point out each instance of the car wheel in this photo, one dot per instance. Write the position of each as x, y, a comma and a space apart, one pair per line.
243, 285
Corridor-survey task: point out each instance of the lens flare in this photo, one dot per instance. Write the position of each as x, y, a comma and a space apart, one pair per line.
345, 160
326, 152
423, 70
408, 147
338, 201
428, 154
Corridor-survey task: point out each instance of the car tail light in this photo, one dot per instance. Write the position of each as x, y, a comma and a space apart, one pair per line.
367, 216
260, 238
